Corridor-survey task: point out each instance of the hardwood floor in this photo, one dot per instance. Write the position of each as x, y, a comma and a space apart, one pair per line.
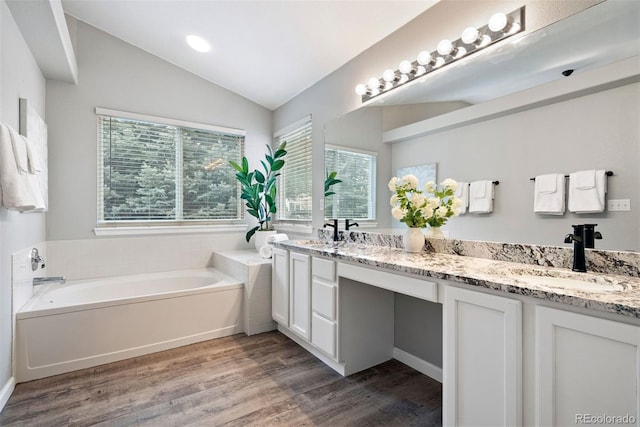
262, 380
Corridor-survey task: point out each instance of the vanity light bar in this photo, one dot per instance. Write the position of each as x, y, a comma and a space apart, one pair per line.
501, 26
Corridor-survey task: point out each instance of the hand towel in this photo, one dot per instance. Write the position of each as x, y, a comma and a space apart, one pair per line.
587, 190
19, 191
35, 165
462, 192
481, 197
19, 150
549, 194
266, 251
276, 238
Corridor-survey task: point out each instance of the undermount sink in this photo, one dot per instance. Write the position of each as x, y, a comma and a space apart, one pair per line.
568, 280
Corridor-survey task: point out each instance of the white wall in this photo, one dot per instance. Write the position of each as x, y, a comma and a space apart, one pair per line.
114, 74
20, 77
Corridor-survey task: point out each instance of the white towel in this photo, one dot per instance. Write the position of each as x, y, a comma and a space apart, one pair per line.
278, 237
266, 251
20, 192
481, 197
462, 192
19, 150
549, 194
35, 164
586, 191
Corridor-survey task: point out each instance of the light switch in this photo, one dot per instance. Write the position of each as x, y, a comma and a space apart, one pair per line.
619, 205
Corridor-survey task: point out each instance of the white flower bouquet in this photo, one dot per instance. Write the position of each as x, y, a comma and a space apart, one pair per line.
417, 208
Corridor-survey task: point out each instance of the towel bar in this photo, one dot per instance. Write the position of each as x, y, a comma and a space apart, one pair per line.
607, 173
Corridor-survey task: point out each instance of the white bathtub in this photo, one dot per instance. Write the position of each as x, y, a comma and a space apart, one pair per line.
87, 323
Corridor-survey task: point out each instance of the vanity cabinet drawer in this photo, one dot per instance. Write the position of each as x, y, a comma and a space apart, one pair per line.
323, 334
323, 298
324, 269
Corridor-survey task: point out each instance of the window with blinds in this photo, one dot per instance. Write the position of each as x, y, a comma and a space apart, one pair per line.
355, 196
294, 184
159, 170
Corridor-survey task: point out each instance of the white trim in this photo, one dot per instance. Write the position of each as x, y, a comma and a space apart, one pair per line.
292, 126
173, 122
183, 229
295, 228
350, 150
420, 365
6, 391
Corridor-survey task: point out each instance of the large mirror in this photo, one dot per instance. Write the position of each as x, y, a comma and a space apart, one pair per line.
597, 131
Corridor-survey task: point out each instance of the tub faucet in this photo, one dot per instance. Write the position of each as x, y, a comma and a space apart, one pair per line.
579, 263
53, 279
348, 224
336, 237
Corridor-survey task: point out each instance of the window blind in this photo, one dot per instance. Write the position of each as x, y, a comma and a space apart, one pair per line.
356, 195
294, 187
159, 172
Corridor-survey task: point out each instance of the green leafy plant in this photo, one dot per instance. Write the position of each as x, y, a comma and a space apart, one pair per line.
259, 187
330, 181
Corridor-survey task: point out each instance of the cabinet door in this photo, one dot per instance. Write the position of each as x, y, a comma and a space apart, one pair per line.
482, 359
324, 334
300, 294
586, 367
280, 286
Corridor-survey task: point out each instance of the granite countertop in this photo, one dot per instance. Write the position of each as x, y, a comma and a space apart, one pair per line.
604, 292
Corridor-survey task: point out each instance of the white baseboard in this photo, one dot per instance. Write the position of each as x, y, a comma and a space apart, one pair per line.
6, 391
429, 369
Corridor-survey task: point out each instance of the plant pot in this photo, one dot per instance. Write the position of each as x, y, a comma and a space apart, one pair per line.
261, 237
413, 240
434, 233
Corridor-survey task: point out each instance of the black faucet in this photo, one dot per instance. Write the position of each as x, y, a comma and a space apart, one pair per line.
579, 263
590, 235
347, 224
335, 229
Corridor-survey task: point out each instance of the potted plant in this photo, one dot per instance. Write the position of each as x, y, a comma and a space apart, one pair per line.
259, 189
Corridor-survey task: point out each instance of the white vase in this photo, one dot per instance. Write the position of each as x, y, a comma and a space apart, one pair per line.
413, 240
434, 233
261, 237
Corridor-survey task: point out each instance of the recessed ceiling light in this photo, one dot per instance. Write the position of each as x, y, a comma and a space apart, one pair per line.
198, 43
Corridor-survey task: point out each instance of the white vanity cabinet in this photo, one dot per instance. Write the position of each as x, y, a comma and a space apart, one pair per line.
280, 286
586, 367
482, 360
324, 296
300, 294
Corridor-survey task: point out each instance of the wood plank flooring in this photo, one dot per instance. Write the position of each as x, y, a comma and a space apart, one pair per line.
262, 380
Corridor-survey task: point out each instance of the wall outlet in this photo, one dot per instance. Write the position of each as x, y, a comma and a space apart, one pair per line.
619, 205
321, 205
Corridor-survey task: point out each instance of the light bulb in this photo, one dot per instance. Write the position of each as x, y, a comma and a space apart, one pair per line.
198, 43
445, 47
424, 58
373, 83
498, 22
420, 70
439, 62
375, 92
403, 79
405, 67
470, 35
388, 86
361, 89
389, 75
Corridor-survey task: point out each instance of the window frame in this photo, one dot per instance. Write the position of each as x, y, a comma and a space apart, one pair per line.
294, 224
146, 226
373, 203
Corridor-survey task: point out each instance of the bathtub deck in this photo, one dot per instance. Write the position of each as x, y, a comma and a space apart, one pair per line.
264, 379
